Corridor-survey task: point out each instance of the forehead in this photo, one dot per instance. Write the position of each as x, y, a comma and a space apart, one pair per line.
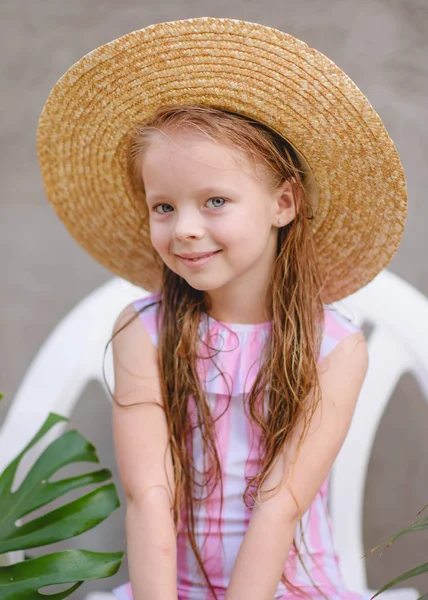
192, 157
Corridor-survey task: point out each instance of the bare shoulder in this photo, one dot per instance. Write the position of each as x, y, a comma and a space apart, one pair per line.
351, 350
126, 316
135, 358
343, 371
140, 429
129, 331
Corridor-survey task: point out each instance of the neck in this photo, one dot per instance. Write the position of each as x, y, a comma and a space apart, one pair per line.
239, 305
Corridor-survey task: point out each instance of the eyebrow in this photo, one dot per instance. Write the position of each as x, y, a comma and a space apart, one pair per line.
207, 191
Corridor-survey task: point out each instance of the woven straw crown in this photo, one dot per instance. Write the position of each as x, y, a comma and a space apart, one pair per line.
237, 66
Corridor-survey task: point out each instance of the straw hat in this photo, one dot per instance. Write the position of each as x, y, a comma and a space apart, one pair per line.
238, 66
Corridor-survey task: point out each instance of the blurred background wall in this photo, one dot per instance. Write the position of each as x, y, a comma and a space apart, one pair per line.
381, 44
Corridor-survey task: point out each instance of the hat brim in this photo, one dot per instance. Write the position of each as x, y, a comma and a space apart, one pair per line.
237, 66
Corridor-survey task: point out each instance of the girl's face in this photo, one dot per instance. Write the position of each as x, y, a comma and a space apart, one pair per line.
212, 220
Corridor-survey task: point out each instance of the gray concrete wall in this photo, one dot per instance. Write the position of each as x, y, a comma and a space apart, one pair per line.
381, 44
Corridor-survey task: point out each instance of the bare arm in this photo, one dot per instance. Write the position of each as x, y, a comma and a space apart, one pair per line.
144, 461
261, 558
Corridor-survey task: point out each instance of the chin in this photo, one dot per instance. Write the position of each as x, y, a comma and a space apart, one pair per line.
194, 282
203, 286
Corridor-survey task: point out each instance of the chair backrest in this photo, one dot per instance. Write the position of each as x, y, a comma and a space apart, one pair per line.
398, 343
68, 360
72, 356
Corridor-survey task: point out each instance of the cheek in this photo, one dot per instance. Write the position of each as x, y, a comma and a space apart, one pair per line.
245, 229
243, 244
159, 236
232, 228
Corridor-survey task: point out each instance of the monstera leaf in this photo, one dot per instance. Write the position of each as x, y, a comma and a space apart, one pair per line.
23, 580
417, 525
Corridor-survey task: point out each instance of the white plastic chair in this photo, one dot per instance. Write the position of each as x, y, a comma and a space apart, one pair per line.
398, 344
68, 360
72, 355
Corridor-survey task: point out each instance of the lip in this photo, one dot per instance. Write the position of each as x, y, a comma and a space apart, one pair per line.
203, 258
197, 254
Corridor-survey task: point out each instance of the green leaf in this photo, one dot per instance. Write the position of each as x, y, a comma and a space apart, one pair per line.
52, 490
418, 525
408, 575
36, 491
8, 475
65, 522
24, 580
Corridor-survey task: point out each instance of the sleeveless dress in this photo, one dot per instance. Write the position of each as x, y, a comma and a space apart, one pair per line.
240, 350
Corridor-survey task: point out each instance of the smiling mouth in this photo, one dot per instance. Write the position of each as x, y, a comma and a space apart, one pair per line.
196, 258
198, 262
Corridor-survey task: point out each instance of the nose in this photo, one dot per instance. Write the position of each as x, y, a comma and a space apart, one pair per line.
188, 225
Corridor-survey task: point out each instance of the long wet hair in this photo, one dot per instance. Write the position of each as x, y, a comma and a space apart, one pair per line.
289, 368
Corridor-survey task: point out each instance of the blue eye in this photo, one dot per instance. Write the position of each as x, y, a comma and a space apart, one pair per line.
162, 206
215, 202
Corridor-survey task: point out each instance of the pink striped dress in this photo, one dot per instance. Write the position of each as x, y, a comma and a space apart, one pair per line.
241, 348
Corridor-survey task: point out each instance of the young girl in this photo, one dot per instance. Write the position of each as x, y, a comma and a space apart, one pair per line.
243, 180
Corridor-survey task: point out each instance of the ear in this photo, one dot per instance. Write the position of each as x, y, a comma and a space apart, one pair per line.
285, 204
